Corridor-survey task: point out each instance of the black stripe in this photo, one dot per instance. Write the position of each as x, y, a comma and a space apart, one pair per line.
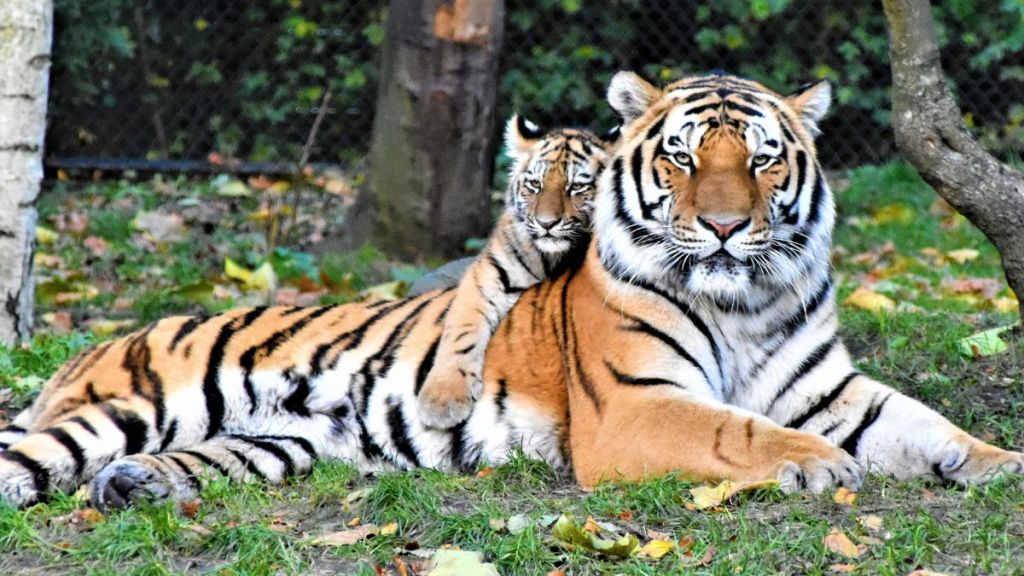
743, 109
385, 355
852, 442
84, 424
506, 282
72, 446
186, 328
206, 460
370, 448
645, 328
133, 428
656, 127
306, 445
809, 363
273, 449
400, 431
211, 381
296, 401
247, 360
426, 365
457, 452
14, 429
636, 380
499, 398
169, 435
581, 376
40, 476
185, 470
249, 464
822, 403
356, 336
816, 199
518, 255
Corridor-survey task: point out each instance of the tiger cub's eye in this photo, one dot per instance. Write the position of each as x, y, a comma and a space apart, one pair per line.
682, 159
762, 160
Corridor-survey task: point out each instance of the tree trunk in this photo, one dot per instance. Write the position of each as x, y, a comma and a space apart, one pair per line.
931, 134
25, 34
432, 148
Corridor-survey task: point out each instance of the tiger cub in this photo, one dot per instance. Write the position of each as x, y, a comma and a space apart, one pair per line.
545, 224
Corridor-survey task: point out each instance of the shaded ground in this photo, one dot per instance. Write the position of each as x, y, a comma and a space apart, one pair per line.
940, 274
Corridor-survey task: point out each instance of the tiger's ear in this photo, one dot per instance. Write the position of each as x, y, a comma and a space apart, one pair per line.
811, 103
630, 95
520, 136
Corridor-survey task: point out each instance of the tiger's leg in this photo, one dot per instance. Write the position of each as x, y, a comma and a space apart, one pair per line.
640, 431
179, 475
16, 430
62, 455
887, 430
488, 290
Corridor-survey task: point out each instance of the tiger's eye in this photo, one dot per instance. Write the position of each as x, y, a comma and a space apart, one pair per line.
683, 159
762, 159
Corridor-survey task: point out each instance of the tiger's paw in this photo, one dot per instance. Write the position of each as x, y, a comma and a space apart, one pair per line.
17, 484
448, 394
818, 473
976, 463
136, 479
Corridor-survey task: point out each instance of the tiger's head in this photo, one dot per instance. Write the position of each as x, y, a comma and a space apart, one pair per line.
552, 182
714, 188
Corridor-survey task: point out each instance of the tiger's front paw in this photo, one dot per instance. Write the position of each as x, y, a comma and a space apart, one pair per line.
820, 472
135, 479
976, 463
448, 394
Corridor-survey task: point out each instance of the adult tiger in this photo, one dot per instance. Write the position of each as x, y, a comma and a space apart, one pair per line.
698, 336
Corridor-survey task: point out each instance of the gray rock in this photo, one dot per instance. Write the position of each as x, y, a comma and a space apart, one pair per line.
446, 276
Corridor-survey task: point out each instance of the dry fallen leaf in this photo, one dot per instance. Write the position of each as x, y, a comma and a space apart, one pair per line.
984, 287
389, 529
867, 299
346, 537
657, 548
842, 568
517, 523
190, 508
460, 563
926, 573
705, 497
841, 544
844, 497
572, 536
871, 522
963, 255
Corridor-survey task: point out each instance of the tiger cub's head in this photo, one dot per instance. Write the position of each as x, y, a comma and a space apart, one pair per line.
552, 182
714, 187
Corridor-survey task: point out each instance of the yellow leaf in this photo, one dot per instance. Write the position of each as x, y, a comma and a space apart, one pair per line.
1005, 305
705, 497
234, 188
389, 529
871, 522
346, 537
460, 563
569, 533
44, 260
842, 568
894, 213
841, 544
386, 291
45, 236
844, 497
103, 327
262, 279
657, 548
867, 299
963, 255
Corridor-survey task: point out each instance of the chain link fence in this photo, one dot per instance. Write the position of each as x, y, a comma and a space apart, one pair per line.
165, 85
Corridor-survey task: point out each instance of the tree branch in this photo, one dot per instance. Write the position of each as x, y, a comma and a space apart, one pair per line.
931, 134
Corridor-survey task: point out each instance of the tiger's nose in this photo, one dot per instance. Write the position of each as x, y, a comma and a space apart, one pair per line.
722, 227
547, 223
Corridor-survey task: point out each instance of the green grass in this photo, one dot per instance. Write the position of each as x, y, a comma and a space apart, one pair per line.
258, 529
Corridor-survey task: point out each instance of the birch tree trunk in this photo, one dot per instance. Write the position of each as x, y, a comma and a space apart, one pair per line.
433, 141
25, 36
931, 134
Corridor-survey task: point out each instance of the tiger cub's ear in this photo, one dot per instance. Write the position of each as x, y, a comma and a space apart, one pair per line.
520, 136
630, 95
810, 103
